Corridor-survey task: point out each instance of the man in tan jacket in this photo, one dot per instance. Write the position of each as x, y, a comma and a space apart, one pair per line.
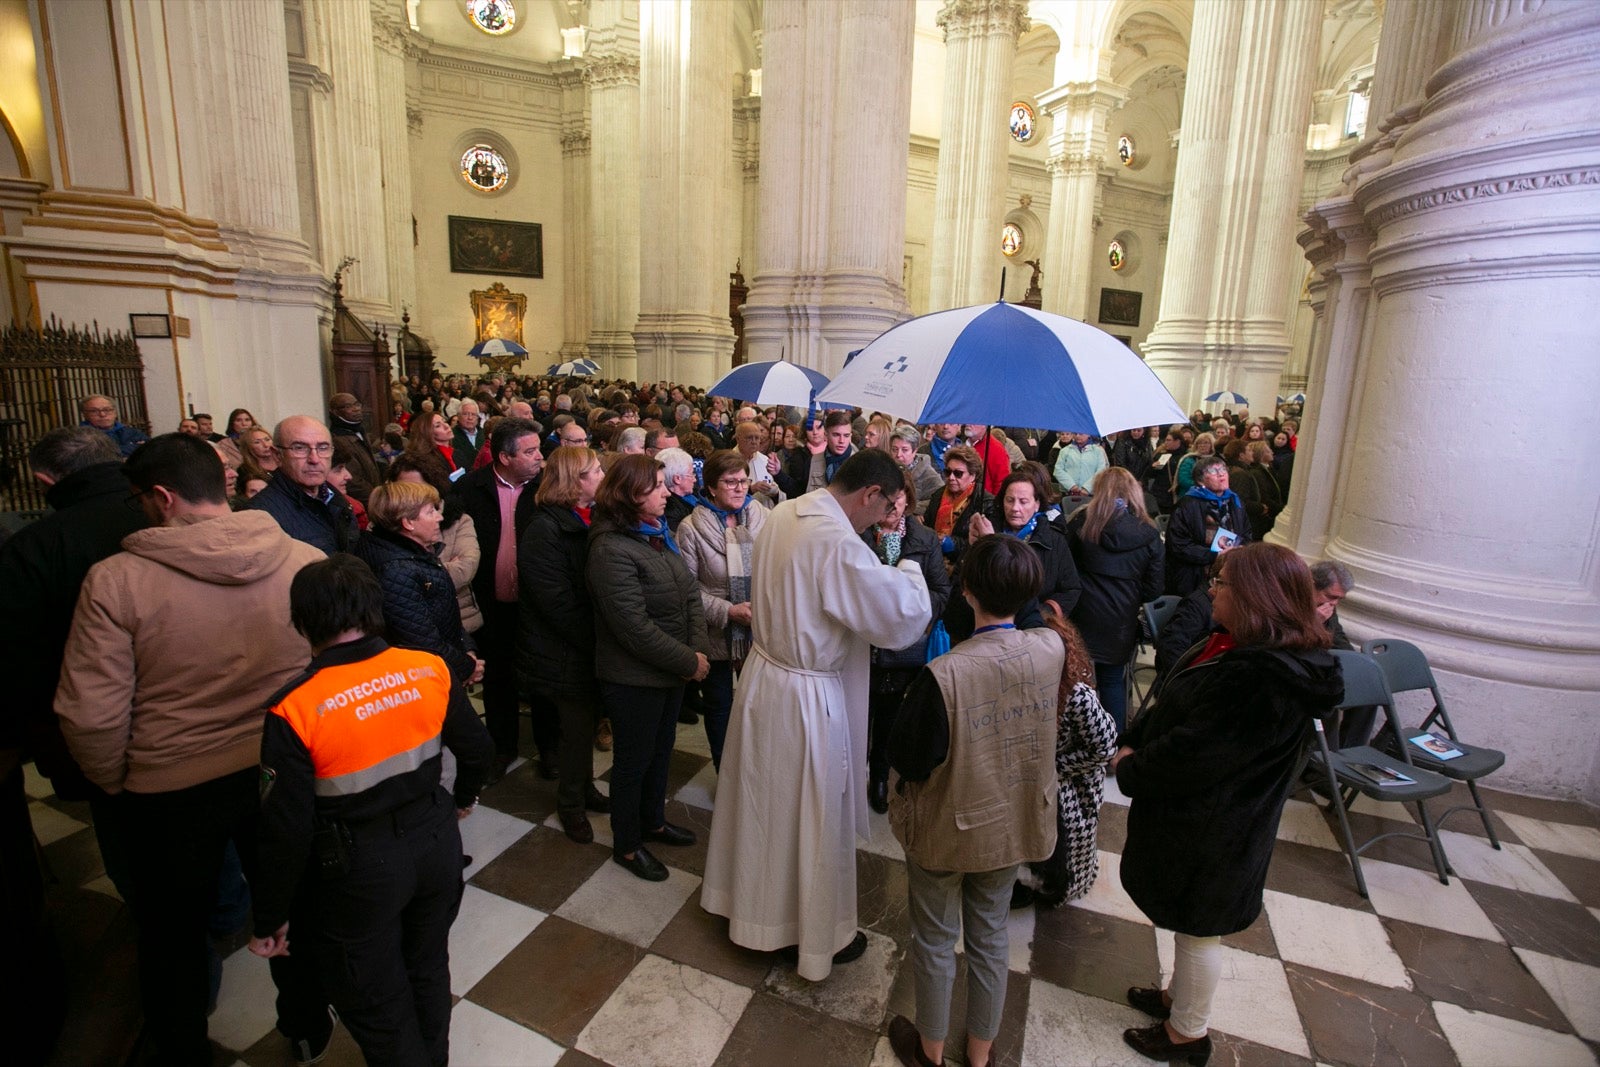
176, 644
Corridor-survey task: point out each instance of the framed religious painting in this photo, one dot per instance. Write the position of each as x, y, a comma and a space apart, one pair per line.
1120, 307
498, 312
490, 246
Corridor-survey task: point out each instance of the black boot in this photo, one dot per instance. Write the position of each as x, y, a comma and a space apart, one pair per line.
878, 794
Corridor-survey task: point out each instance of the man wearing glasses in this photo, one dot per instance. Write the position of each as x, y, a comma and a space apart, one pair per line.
299, 496
101, 413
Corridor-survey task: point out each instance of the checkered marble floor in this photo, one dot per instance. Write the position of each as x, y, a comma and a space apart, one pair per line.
561, 957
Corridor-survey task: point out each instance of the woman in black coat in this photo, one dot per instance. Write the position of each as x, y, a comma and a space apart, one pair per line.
555, 648
649, 632
419, 597
899, 536
1207, 770
1021, 517
1117, 550
1207, 507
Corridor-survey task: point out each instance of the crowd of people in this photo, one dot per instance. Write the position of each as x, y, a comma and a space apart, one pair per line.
827, 593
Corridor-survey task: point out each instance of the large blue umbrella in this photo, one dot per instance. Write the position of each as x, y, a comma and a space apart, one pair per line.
1008, 365
1229, 397
497, 346
574, 368
773, 382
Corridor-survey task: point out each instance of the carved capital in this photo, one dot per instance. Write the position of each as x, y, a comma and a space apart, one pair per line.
983, 18
606, 71
390, 31
575, 141
414, 119
1072, 164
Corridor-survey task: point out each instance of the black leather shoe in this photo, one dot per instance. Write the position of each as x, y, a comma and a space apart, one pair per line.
643, 865
669, 834
878, 795
596, 801
576, 826
1153, 1041
853, 951
907, 1043
1149, 1001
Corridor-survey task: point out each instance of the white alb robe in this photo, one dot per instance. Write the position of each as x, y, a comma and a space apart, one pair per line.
791, 795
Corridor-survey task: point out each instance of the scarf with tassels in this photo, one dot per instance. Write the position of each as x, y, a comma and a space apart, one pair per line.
738, 546
890, 542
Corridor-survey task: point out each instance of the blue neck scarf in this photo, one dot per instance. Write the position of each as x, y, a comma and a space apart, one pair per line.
723, 515
1227, 499
831, 463
661, 532
936, 451
1024, 533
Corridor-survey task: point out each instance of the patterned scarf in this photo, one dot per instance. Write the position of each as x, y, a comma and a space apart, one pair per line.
949, 513
1027, 529
890, 541
738, 545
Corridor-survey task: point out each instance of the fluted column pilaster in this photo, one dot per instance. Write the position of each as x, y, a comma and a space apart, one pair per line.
354, 205
611, 71
390, 32
576, 307
1078, 112
1225, 291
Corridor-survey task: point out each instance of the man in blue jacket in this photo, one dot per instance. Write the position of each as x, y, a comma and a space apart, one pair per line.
101, 413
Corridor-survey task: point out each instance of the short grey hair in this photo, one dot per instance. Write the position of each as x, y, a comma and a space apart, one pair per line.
68, 450
675, 462
632, 437
1328, 572
906, 433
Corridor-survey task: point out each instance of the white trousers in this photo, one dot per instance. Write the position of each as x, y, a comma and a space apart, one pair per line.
1196, 970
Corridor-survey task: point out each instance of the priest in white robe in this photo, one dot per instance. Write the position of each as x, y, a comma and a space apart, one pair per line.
792, 793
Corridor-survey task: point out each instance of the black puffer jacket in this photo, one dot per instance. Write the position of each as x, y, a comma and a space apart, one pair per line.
555, 646
648, 620
419, 600
920, 545
1194, 522
1119, 573
1213, 761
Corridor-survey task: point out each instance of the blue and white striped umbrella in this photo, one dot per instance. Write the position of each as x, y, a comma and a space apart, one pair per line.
574, 368
1297, 398
773, 382
1229, 397
496, 346
1008, 365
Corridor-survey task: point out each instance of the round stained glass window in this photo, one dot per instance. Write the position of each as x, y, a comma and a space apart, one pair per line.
1011, 239
1022, 121
494, 17
1116, 255
485, 169
1125, 150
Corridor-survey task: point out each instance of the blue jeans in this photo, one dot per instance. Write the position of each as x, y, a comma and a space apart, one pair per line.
1111, 682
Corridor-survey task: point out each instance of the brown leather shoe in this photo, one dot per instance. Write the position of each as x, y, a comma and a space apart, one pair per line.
576, 826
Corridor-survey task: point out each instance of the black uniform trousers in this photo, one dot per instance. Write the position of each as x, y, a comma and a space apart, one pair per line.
497, 644
644, 726
176, 842
382, 931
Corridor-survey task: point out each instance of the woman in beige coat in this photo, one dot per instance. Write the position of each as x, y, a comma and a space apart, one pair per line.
717, 540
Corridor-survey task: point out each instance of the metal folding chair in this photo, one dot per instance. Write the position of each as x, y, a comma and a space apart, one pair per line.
1364, 769
1406, 669
1153, 615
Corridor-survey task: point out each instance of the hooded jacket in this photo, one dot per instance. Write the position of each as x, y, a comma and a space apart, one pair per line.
175, 647
1213, 762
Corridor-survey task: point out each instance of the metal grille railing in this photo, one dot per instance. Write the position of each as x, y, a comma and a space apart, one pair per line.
44, 373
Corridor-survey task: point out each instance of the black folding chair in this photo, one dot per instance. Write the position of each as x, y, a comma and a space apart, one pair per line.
1153, 615
1406, 669
1373, 773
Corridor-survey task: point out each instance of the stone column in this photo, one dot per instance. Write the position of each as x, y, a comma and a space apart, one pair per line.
1078, 112
1483, 219
354, 217
575, 203
1225, 293
862, 295
747, 161
686, 135
390, 32
969, 201
799, 55
612, 73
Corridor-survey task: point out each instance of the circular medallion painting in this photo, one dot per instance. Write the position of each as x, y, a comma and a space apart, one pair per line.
1011, 239
1125, 150
494, 17
1022, 121
485, 169
1116, 255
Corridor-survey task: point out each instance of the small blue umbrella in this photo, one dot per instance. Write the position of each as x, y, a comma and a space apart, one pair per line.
1297, 398
574, 368
497, 346
1229, 397
773, 382
1008, 365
